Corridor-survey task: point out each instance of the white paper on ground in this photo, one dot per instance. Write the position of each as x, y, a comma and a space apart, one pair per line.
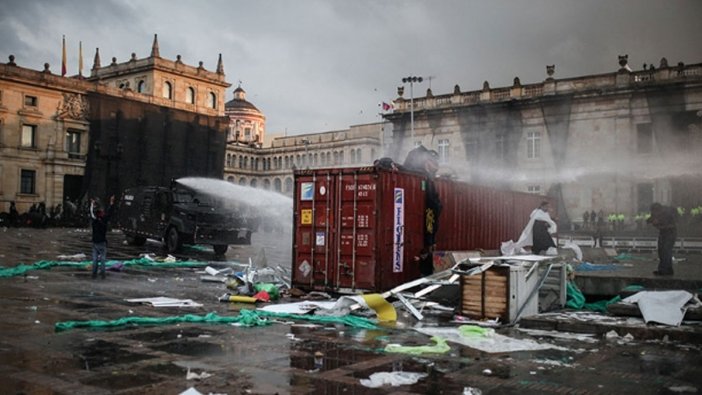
162, 301
191, 391
663, 307
297, 307
394, 379
493, 344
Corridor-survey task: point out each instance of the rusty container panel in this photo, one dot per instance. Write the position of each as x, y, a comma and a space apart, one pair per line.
480, 217
356, 229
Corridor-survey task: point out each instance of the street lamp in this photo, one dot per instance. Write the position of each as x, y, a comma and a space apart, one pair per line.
412, 80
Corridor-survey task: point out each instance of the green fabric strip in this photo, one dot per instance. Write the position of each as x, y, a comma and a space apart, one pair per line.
22, 268
246, 318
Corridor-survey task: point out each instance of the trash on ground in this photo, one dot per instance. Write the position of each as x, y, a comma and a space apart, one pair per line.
379, 379
191, 391
439, 347
492, 344
663, 307
161, 301
196, 376
74, 257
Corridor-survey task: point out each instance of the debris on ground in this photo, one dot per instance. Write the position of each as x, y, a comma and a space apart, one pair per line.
394, 379
162, 301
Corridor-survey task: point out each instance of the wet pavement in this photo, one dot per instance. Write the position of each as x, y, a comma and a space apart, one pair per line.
280, 358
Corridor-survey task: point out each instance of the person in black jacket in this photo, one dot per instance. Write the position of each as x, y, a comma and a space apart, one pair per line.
100, 218
663, 218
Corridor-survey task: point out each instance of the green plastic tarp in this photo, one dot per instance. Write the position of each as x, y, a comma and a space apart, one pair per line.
246, 318
576, 300
22, 268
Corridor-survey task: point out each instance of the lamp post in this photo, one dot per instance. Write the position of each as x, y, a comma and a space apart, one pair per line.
412, 80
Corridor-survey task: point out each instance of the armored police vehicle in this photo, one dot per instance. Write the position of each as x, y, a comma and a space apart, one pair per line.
180, 215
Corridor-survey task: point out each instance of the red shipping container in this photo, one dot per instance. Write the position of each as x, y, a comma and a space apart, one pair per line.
359, 229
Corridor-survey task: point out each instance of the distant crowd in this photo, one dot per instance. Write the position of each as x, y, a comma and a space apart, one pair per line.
39, 216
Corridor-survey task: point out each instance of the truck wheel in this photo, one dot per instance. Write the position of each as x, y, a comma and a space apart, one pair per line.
133, 240
220, 249
173, 241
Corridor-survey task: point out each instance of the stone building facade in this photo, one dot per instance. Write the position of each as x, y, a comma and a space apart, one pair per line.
48, 125
613, 142
271, 167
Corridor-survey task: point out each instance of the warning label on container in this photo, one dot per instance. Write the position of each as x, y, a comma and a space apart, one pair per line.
398, 248
306, 216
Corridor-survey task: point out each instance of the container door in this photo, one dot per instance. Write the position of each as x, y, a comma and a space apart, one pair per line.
314, 228
356, 260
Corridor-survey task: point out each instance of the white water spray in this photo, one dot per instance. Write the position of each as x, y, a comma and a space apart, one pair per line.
270, 206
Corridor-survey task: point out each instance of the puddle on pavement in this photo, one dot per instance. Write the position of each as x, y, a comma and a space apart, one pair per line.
102, 353
191, 348
122, 380
35, 361
167, 369
168, 335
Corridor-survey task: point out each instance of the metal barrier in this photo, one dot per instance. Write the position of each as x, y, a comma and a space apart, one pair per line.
642, 243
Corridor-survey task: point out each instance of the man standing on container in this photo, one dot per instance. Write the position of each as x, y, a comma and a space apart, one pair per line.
542, 229
663, 218
426, 162
99, 223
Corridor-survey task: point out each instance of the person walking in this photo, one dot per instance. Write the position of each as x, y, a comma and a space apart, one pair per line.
100, 218
663, 218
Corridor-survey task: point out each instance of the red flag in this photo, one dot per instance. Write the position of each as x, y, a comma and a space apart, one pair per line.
387, 107
63, 58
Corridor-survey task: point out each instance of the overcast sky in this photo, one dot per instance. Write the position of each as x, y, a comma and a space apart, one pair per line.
314, 66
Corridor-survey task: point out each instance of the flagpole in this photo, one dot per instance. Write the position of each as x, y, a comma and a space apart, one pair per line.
80, 58
63, 57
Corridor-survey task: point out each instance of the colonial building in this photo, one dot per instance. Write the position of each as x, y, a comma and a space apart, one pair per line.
613, 142
271, 167
143, 121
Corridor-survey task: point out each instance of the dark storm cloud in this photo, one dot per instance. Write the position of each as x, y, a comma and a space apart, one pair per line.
317, 65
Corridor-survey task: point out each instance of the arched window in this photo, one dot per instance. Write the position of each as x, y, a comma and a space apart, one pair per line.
359, 159
288, 185
229, 160
336, 158
242, 181
353, 156
190, 95
267, 184
233, 160
230, 179
277, 185
341, 157
141, 86
213, 100
254, 183
167, 90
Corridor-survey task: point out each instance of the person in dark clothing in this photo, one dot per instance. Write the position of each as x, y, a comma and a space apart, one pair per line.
425, 161
663, 218
100, 218
14, 214
542, 229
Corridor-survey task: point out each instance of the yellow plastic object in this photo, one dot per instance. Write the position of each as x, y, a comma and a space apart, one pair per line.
242, 299
384, 310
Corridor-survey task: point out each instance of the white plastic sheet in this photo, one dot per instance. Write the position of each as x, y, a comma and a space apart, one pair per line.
394, 379
663, 307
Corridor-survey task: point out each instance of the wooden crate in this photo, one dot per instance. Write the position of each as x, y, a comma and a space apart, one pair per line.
486, 295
